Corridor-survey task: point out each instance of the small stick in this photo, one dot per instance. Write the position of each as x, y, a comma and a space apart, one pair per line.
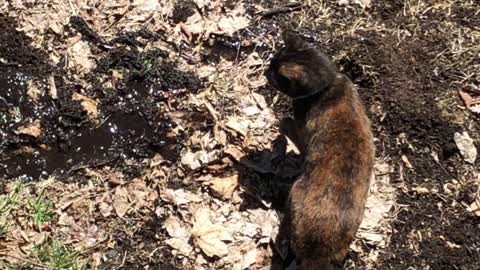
287, 8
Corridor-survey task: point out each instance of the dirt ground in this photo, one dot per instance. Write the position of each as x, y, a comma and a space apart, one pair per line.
143, 134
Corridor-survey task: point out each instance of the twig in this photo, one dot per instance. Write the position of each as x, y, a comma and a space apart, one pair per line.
123, 260
101, 123
98, 164
74, 10
286, 8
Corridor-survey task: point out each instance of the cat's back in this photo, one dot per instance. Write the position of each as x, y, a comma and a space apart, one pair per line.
340, 128
340, 155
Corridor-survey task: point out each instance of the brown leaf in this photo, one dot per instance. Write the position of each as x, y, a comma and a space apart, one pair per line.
234, 152
191, 160
116, 77
81, 57
180, 197
88, 105
24, 151
180, 244
239, 126
231, 24
105, 209
466, 146
120, 201
467, 99
475, 207
33, 129
220, 135
139, 193
224, 187
180, 236
208, 236
32, 90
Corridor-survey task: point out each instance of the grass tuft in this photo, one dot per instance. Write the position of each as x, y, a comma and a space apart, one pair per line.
57, 256
41, 210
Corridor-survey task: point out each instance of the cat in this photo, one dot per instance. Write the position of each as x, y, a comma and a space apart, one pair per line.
332, 131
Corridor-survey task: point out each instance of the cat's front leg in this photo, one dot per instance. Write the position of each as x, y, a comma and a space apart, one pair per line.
290, 128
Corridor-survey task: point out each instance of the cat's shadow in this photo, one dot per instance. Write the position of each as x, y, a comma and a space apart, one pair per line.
266, 176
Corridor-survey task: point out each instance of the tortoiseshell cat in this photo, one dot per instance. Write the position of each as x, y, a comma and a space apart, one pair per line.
330, 127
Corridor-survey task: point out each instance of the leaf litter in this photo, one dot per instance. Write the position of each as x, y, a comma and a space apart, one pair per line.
206, 214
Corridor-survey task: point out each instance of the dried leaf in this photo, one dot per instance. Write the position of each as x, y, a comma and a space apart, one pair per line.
467, 99
32, 90
406, 162
53, 88
231, 24
249, 258
475, 108
240, 126
226, 24
180, 236
106, 209
421, 190
466, 146
140, 194
32, 129
175, 229
363, 3
234, 152
199, 158
194, 25
181, 245
208, 236
180, 197
220, 135
81, 57
116, 77
120, 201
251, 110
206, 71
224, 187
475, 207
88, 105
291, 147
191, 160
268, 221
25, 151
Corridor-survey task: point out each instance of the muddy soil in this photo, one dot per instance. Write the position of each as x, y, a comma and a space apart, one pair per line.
132, 122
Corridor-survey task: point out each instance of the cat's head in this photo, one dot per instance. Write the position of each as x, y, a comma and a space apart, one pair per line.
299, 69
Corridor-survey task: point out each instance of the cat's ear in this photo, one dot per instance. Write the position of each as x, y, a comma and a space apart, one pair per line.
293, 42
292, 71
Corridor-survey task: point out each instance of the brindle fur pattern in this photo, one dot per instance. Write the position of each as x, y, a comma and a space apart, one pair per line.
331, 128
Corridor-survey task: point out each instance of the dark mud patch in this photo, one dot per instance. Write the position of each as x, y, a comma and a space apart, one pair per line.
133, 121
